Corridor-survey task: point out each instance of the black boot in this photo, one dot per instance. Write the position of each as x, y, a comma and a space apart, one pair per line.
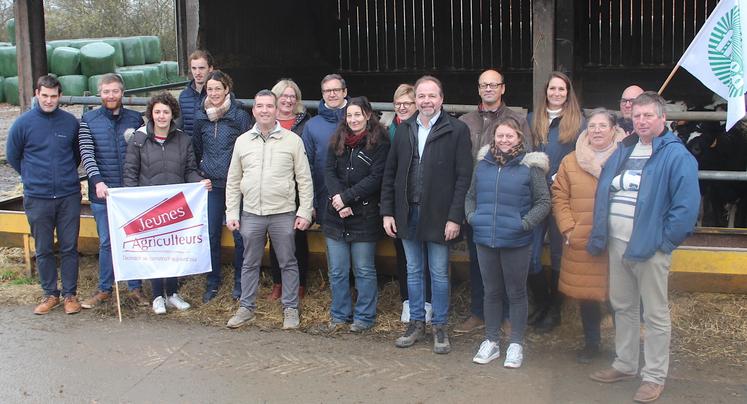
552, 319
541, 297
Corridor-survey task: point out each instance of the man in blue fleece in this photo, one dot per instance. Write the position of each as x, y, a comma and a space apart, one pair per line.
646, 205
43, 148
318, 131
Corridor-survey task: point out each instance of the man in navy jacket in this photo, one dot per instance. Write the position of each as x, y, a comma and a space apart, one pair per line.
191, 98
646, 205
103, 145
43, 148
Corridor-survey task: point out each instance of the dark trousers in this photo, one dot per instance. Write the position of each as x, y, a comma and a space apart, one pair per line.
302, 256
163, 286
402, 272
591, 319
44, 216
216, 219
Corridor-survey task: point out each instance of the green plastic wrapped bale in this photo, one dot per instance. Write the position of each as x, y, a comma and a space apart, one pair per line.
10, 28
93, 84
5, 44
132, 51
80, 43
116, 43
65, 61
152, 48
163, 73
97, 58
2, 89
172, 70
58, 43
132, 78
74, 84
151, 72
8, 65
178, 79
49, 54
10, 88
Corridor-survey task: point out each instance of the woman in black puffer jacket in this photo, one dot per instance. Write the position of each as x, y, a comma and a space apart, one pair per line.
352, 225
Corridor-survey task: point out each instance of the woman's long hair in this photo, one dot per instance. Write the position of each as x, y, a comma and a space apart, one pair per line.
376, 132
571, 114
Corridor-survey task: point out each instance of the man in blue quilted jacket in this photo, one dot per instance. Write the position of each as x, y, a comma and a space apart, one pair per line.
103, 138
201, 63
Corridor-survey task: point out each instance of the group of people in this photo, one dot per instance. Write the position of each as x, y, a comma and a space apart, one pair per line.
613, 195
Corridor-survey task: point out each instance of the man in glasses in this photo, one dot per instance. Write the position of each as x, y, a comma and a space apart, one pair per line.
490, 87
318, 131
625, 120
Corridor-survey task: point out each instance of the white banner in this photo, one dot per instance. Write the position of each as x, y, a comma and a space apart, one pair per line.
159, 231
716, 56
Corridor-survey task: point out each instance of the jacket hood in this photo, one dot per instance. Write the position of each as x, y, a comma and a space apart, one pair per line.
537, 159
330, 115
587, 157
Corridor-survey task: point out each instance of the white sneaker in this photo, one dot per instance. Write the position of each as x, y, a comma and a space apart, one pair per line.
428, 312
159, 305
290, 318
177, 302
514, 356
488, 351
405, 317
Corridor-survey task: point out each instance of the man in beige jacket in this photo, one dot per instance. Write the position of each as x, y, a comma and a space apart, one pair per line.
268, 165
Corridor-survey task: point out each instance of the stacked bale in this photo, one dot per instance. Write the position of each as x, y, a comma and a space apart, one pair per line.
76, 84
8, 65
10, 87
97, 58
133, 51
65, 61
10, 28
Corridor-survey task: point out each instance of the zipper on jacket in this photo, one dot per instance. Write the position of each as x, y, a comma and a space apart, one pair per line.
495, 207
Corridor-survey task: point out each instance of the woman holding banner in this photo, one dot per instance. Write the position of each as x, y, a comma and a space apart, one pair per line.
160, 154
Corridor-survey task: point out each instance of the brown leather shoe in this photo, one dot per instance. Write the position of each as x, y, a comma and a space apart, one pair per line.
99, 297
138, 297
49, 303
72, 305
610, 375
648, 392
473, 323
277, 291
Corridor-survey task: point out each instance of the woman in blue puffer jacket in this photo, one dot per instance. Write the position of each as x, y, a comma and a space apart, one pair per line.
507, 199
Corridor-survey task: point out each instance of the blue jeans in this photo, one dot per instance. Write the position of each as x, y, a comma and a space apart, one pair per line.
556, 245
339, 255
438, 264
44, 216
216, 219
106, 269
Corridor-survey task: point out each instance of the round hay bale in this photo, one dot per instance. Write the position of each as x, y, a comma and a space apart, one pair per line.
65, 61
172, 70
97, 58
152, 48
151, 72
2, 89
93, 84
10, 28
8, 65
58, 43
79, 43
116, 43
163, 73
132, 78
10, 88
49, 54
74, 84
132, 51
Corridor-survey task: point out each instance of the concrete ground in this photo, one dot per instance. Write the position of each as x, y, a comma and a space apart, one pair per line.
87, 358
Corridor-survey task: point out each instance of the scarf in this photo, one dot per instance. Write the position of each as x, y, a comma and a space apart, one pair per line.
352, 140
501, 158
591, 160
215, 113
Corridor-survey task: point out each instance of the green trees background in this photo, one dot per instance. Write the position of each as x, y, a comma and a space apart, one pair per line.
71, 19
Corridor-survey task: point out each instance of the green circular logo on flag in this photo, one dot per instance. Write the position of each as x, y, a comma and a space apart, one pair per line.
725, 52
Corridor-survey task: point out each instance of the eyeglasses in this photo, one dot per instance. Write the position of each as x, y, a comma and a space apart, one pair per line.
626, 100
333, 90
288, 96
398, 105
493, 86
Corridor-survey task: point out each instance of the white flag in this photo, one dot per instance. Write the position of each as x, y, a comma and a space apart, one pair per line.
716, 56
159, 231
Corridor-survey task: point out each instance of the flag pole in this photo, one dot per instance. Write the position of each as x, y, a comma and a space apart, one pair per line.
119, 306
669, 78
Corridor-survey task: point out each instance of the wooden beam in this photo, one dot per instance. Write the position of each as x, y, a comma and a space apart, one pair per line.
543, 44
31, 51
